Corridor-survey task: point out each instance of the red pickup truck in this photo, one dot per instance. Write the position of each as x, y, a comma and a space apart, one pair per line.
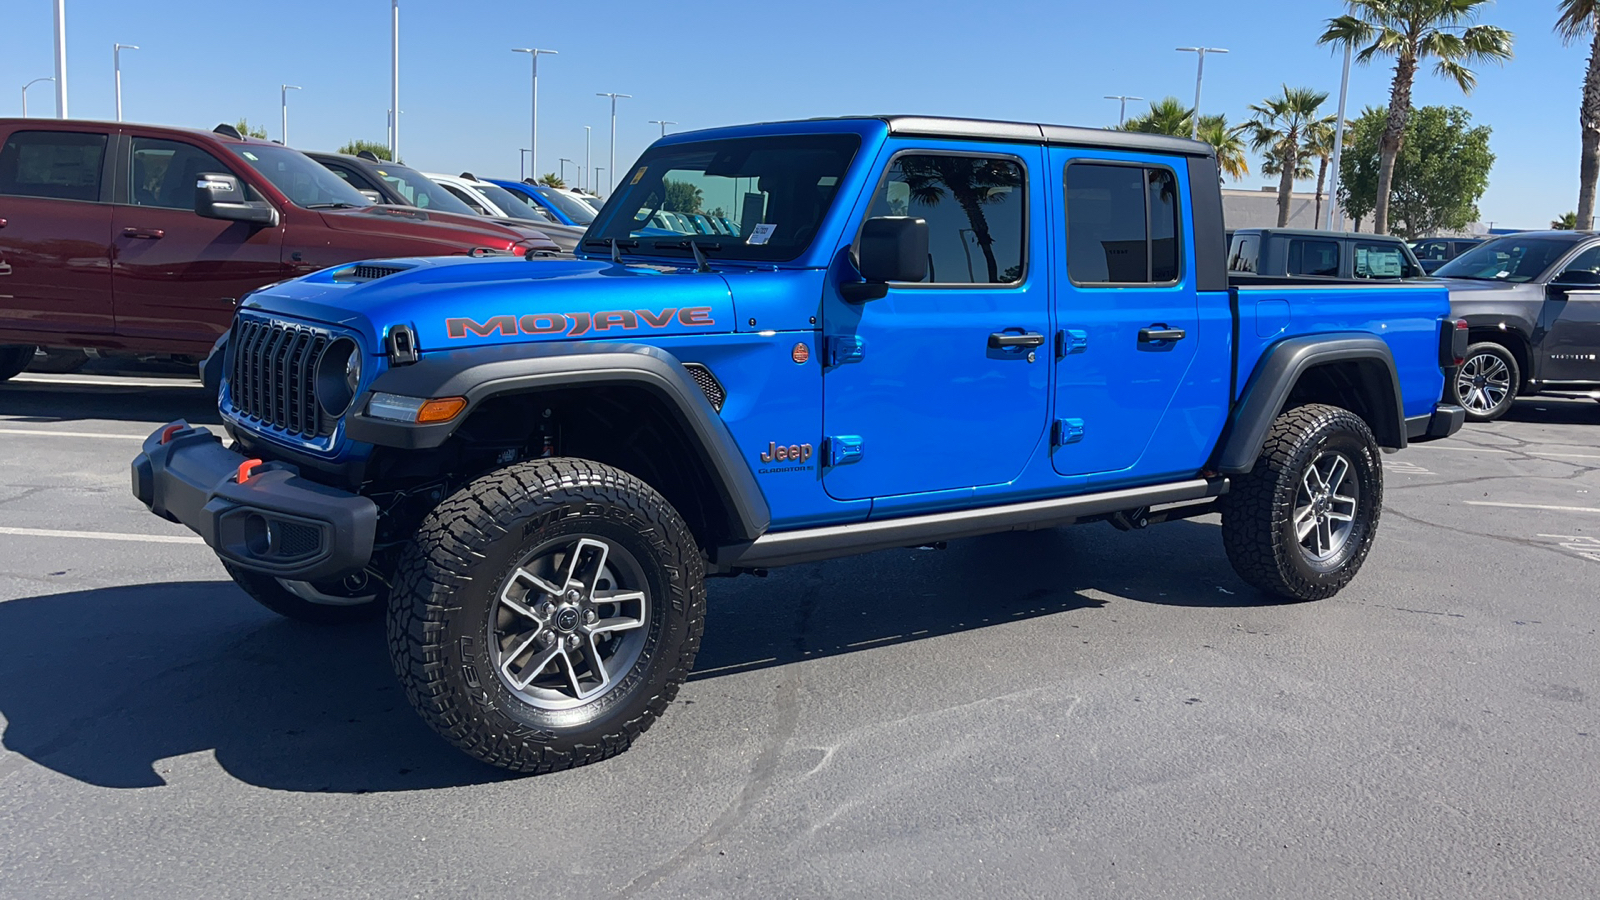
138, 239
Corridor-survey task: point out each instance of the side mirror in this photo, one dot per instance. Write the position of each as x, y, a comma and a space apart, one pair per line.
372, 195
219, 196
1576, 279
892, 248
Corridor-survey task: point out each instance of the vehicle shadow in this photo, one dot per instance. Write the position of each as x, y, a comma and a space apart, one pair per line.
1543, 410
106, 686
61, 400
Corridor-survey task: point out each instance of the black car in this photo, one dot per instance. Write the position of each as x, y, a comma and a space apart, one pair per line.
1435, 252
1532, 304
1300, 254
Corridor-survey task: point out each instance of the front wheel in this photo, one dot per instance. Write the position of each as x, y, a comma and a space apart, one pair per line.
1487, 382
1300, 523
13, 359
546, 614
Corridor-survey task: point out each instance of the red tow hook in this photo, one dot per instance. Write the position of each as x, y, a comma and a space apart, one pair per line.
170, 430
246, 467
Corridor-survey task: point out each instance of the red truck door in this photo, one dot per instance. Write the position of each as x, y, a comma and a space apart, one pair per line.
177, 275
55, 233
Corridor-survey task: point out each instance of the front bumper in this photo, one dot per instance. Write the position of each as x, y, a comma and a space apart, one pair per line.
1445, 420
274, 522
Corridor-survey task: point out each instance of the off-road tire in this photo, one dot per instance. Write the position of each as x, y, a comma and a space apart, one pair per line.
270, 592
1475, 410
1258, 512
13, 359
449, 586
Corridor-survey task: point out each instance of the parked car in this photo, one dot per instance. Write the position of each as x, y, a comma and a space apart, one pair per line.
1435, 252
1296, 253
494, 201
109, 244
568, 207
1532, 305
531, 467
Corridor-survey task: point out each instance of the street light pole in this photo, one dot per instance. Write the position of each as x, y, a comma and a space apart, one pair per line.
1199, 76
283, 95
1338, 140
61, 59
1122, 114
394, 85
116, 65
25, 93
587, 168
522, 162
562, 162
663, 123
613, 167
533, 142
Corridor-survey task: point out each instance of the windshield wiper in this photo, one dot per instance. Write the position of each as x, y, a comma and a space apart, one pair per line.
333, 206
695, 247
615, 245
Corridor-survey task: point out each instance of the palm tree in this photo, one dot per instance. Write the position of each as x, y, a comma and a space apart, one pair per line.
1276, 129
974, 182
1319, 145
1231, 158
1580, 18
1167, 116
1565, 222
1413, 31
551, 179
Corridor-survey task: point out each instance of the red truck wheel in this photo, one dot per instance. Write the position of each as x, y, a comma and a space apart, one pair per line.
13, 359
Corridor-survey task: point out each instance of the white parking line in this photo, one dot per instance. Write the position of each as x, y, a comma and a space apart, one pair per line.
1589, 509
103, 535
1565, 455
1463, 449
33, 432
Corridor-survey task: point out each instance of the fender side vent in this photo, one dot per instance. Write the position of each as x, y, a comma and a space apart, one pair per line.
708, 384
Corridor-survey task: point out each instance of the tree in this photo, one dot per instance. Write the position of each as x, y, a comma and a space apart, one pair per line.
1276, 129
1231, 158
1167, 116
248, 130
1319, 146
681, 196
1565, 222
551, 179
355, 147
1442, 170
1414, 31
1580, 18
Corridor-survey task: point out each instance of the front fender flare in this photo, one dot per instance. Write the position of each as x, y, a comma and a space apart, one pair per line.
484, 372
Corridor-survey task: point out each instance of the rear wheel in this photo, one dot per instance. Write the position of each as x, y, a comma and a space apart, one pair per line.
353, 599
13, 359
1300, 523
1487, 383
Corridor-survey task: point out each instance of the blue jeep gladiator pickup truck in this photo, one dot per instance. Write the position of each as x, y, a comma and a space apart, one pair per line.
925, 329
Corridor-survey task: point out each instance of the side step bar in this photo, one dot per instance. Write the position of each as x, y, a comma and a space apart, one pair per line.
786, 548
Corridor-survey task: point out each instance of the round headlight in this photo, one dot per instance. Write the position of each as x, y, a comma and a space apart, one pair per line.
338, 376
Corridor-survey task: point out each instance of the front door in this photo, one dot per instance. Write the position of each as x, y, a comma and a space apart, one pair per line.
1125, 301
1571, 345
177, 275
943, 384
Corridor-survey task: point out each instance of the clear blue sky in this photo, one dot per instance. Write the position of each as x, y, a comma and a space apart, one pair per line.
714, 62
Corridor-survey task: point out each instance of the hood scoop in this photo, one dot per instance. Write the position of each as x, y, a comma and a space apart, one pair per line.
366, 272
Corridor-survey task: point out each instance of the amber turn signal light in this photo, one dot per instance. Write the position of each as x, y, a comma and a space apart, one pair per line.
442, 409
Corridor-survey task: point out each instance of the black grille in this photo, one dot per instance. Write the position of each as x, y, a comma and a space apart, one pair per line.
367, 273
708, 384
295, 539
272, 379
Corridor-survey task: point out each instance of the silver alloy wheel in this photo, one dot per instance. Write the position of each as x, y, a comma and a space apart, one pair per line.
1483, 383
1325, 505
568, 623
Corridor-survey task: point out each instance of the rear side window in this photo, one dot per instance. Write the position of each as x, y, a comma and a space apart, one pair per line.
975, 208
1309, 257
1244, 253
164, 172
1381, 260
59, 165
1122, 225
1439, 250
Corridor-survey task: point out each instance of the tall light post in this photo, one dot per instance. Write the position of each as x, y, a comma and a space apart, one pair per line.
522, 162
533, 141
1199, 75
562, 162
394, 85
116, 65
283, 97
1338, 140
663, 123
1122, 114
25, 93
597, 171
613, 167
61, 59
587, 134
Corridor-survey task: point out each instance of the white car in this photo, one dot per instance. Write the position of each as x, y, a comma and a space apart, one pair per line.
495, 201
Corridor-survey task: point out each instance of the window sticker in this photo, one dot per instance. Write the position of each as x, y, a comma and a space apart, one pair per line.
250, 156
761, 233
638, 175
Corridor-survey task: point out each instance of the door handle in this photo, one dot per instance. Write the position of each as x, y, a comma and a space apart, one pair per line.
1005, 340
149, 234
1156, 333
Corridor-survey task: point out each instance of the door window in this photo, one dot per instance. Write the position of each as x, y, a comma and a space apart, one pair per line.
164, 173
976, 210
1122, 225
1381, 260
1242, 258
1433, 250
1313, 257
354, 178
59, 165
466, 198
1585, 267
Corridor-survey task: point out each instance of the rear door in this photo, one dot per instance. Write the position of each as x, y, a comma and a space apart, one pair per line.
55, 234
1571, 346
1128, 311
177, 275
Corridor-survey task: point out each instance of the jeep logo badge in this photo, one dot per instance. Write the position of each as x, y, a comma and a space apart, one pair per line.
776, 452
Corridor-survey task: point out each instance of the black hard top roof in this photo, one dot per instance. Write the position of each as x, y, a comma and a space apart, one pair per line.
1056, 135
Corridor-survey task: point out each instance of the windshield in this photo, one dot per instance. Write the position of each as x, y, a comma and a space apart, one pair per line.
774, 192
1513, 259
574, 209
513, 206
306, 182
420, 191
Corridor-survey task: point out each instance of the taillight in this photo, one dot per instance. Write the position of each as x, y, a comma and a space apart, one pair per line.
1459, 345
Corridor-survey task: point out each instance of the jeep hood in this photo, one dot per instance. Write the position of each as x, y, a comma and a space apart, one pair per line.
453, 302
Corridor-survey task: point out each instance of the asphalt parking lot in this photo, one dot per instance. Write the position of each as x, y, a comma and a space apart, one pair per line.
1071, 713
